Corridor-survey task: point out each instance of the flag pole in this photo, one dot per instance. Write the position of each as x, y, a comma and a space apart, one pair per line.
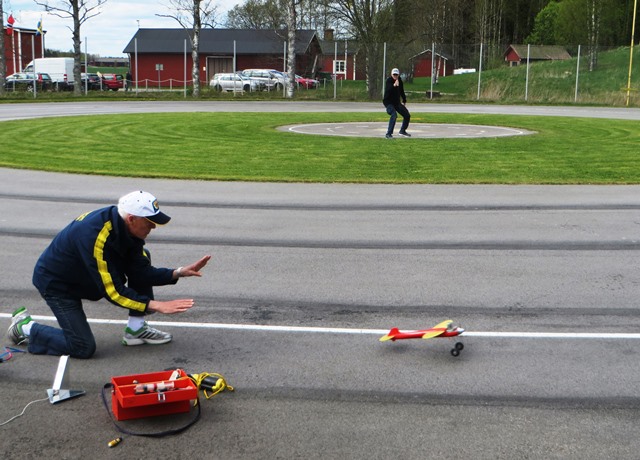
13, 47
35, 75
86, 67
41, 37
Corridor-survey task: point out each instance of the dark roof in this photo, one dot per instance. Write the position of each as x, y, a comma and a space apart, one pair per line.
329, 47
217, 41
540, 52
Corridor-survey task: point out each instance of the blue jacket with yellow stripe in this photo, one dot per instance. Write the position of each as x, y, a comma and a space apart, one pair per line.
94, 257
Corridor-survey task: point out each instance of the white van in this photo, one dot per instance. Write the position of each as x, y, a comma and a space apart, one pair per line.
59, 69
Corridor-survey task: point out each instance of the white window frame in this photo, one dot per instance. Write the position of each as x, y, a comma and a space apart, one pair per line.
340, 67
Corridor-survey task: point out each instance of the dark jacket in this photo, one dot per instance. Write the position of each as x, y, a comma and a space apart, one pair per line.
394, 94
93, 257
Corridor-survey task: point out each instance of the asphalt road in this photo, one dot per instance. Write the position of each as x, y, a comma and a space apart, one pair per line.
305, 279
59, 109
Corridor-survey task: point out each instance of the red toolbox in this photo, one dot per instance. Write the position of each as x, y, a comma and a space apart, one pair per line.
137, 395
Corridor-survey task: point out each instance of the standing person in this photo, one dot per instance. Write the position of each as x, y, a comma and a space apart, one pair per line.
395, 100
127, 81
101, 254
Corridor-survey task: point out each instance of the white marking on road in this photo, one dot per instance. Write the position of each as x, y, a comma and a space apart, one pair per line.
356, 331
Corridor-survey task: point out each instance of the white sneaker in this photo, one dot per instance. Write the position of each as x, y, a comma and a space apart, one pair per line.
19, 318
146, 334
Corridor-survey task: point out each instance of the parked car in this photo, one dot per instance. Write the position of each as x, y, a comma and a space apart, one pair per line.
91, 80
308, 83
112, 81
271, 79
282, 79
21, 81
234, 82
59, 69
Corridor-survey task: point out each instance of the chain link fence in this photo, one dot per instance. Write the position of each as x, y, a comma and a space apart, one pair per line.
515, 73
577, 74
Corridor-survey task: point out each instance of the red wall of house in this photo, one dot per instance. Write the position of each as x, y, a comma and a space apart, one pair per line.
260, 62
172, 73
173, 67
18, 51
422, 66
327, 66
512, 56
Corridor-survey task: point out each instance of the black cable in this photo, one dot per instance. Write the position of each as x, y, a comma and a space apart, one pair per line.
148, 435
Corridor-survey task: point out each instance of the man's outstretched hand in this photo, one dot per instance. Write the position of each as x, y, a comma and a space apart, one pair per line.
170, 307
179, 305
193, 269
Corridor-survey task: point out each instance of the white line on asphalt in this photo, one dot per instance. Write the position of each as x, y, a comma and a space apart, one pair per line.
357, 331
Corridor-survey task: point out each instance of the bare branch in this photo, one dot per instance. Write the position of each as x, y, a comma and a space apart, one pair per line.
65, 8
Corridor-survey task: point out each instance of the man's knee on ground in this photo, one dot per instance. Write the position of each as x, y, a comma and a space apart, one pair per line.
83, 350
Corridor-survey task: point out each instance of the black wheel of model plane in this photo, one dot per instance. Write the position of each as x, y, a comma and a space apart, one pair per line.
455, 352
459, 346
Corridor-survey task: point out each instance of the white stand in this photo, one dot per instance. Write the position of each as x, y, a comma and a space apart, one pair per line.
59, 392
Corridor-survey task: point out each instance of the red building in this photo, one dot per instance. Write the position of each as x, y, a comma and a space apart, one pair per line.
20, 48
422, 64
161, 56
340, 57
517, 54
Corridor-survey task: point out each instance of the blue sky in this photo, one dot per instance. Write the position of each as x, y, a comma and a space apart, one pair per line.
106, 34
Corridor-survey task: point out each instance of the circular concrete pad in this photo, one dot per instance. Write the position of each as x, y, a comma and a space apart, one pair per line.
417, 130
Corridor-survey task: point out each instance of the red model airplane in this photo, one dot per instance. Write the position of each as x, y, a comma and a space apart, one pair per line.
444, 329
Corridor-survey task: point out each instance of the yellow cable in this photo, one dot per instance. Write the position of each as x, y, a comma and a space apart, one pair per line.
220, 386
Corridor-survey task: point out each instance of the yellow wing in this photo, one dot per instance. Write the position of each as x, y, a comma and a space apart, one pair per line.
437, 330
445, 324
432, 334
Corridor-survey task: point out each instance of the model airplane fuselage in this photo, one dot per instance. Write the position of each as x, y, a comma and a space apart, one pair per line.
444, 329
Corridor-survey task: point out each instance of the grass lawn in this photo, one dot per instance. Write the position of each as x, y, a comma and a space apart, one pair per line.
246, 146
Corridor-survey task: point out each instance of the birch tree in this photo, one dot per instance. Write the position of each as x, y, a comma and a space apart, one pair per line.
291, 45
257, 14
279, 15
79, 11
488, 18
272, 14
192, 15
595, 12
593, 23
370, 22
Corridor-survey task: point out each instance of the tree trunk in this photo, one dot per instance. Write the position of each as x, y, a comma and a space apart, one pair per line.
594, 32
77, 50
195, 69
195, 48
291, 48
372, 70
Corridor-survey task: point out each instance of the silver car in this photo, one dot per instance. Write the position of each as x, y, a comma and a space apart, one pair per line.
233, 82
270, 78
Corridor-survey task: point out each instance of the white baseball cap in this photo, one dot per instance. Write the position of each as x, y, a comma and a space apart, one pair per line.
143, 204
395, 71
